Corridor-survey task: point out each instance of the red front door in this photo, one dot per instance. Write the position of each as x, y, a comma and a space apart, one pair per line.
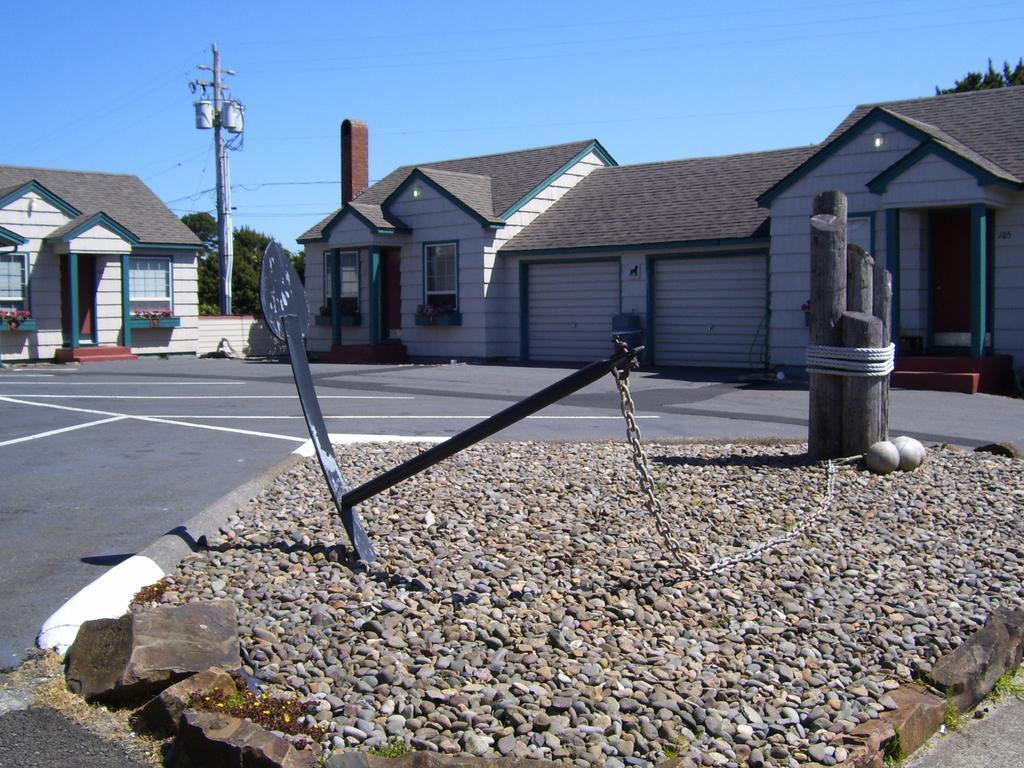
391, 316
951, 270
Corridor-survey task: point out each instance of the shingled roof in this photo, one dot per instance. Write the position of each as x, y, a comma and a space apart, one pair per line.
122, 197
982, 127
698, 199
513, 176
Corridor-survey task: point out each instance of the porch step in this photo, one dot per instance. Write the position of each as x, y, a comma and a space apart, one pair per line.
93, 354
993, 375
936, 381
391, 353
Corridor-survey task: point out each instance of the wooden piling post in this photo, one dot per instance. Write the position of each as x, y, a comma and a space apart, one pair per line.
861, 394
828, 302
881, 307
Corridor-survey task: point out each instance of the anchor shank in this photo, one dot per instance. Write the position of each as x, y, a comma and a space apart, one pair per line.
570, 384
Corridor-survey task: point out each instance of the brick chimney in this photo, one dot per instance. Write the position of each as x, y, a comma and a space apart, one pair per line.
355, 158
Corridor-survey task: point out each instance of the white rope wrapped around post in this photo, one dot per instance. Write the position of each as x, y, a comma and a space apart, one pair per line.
851, 361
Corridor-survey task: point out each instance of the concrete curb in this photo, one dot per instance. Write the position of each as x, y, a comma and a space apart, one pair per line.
109, 595
965, 676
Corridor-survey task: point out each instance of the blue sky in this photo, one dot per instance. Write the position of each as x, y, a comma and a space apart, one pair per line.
104, 86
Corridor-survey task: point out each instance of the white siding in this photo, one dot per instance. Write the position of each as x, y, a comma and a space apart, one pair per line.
34, 218
246, 335
710, 311
433, 218
570, 309
501, 273
932, 182
1008, 259
185, 338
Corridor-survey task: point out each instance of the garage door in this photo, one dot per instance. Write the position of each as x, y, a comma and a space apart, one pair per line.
711, 311
569, 310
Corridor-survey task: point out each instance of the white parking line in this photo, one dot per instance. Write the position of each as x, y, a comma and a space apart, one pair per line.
352, 417
155, 420
129, 383
204, 397
61, 430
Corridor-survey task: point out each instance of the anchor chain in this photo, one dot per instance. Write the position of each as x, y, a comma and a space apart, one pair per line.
689, 560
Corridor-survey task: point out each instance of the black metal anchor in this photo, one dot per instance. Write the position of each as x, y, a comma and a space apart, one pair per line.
283, 298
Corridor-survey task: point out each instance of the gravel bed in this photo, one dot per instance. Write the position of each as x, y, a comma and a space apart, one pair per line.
525, 604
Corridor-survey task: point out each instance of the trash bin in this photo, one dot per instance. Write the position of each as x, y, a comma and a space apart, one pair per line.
627, 327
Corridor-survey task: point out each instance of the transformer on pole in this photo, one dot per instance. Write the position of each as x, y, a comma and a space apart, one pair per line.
221, 114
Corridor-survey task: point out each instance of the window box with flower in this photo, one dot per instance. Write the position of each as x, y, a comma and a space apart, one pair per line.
430, 314
16, 320
153, 318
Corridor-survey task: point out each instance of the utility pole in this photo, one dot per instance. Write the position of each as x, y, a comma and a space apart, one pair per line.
221, 114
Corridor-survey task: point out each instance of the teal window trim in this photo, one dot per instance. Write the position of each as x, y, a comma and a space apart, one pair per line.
9, 237
870, 216
170, 280
979, 278
166, 247
126, 302
984, 177
99, 219
679, 245
339, 216
426, 293
34, 186
376, 296
842, 140
892, 263
594, 146
73, 321
418, 176
26, 280
332, 264
524, 292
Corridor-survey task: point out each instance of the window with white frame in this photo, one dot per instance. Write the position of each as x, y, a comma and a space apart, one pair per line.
348, 269
858, 232
13, 282
441, 267
149, 284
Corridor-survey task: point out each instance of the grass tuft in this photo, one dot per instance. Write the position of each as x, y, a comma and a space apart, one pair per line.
952, 717
1010, 684
394, 748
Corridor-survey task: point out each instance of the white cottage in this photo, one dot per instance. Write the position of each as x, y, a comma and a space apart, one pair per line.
93, 266
529, 255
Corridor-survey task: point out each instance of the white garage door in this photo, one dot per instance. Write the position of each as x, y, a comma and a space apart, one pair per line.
711, 311
570, 309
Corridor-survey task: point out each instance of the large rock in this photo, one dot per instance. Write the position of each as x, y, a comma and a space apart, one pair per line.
207, 739
918, 715
866, 744
1009, 450
136, 656
161, 714
967, 674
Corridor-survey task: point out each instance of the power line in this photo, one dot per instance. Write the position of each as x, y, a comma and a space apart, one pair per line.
351, 65
519, 45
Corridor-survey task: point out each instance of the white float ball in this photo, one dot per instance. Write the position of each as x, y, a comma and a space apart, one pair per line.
912, 452
882, 457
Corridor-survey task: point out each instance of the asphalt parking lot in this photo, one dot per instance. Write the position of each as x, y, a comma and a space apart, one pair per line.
100, 460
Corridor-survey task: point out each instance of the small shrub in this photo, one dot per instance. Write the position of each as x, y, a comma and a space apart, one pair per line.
394, 748
1008, 685
953, 718
893, 751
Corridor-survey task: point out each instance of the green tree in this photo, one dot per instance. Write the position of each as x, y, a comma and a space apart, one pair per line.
979, 81
249, 246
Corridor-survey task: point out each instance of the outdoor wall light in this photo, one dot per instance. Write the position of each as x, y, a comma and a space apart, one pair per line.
416, 191
877, 141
